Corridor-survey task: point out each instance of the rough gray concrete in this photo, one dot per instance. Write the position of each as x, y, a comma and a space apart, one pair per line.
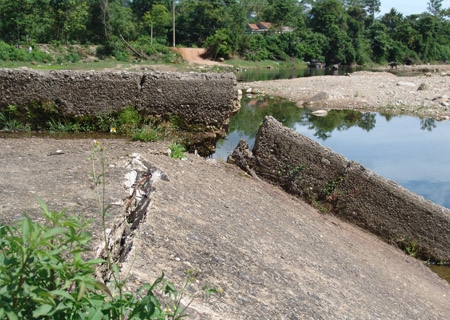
274, 256
204, 101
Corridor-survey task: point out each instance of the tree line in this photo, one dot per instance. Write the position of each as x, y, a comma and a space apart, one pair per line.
331, 31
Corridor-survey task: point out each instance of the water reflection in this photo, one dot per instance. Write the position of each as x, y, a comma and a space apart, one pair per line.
289, 72
411, 151
340, 121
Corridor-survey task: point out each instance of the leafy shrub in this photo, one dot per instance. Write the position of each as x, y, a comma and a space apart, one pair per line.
113, 48
219, 44
176, 151
128, 120
43, 275
35, 278
13, 53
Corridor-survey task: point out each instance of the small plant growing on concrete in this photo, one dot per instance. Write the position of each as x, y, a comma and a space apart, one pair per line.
176, 151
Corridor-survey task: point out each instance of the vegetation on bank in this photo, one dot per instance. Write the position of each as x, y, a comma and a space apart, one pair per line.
126, 123
330, 31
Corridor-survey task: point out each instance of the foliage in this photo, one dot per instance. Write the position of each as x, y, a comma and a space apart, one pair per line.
8, 121
47, 117
128, 120
219, 45
146, 134
43, 273
156, 19
15, 53
176, 151
332, 31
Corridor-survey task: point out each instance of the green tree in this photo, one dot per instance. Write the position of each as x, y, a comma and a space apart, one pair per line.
219, 45
372, 6
434, 41
235, 24
280, 12
435, 8
22, 22
392, 19
70, 18
121, 20
140, 7
157, 19
356, 18
379, 42
199, 19
329, 18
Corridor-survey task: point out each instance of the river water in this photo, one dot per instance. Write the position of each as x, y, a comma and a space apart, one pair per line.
411, 151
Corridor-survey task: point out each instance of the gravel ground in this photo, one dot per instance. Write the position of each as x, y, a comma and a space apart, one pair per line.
424, 95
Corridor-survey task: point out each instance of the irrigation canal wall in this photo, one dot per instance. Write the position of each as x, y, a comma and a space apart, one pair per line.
204, 101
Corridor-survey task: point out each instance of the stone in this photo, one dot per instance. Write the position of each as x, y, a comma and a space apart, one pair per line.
319, 97
423, 86
405, 84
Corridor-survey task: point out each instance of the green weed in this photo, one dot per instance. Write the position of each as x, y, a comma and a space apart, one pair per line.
331, 186
412, 248
176, 151
146, 133
128, 120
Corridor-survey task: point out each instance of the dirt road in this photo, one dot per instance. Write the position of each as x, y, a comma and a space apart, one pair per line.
194, 56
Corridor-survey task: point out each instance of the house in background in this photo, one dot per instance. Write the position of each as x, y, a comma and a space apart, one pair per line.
258, 27
264, 27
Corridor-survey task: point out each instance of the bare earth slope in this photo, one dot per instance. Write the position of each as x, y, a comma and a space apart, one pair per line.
274, 256
194, 56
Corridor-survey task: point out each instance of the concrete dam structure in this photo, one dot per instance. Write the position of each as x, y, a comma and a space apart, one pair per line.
203, 101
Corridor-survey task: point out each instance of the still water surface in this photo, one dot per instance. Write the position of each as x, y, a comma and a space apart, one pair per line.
413, 152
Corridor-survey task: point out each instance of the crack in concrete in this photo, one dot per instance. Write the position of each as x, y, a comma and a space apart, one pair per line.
139, 183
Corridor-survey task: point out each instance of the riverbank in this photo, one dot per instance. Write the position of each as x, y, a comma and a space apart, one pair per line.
425, 95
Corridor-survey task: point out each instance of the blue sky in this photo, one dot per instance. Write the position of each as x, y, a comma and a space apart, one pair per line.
408, 7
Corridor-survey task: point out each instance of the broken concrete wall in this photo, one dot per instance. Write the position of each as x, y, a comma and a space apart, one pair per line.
205, 100
333, 184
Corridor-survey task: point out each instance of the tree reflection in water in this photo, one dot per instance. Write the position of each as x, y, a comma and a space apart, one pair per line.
400, 148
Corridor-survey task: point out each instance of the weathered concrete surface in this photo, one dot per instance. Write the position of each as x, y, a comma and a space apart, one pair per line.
332, 183
202, 100
275, 256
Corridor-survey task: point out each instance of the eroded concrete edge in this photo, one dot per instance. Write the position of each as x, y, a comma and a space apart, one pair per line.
139, 185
